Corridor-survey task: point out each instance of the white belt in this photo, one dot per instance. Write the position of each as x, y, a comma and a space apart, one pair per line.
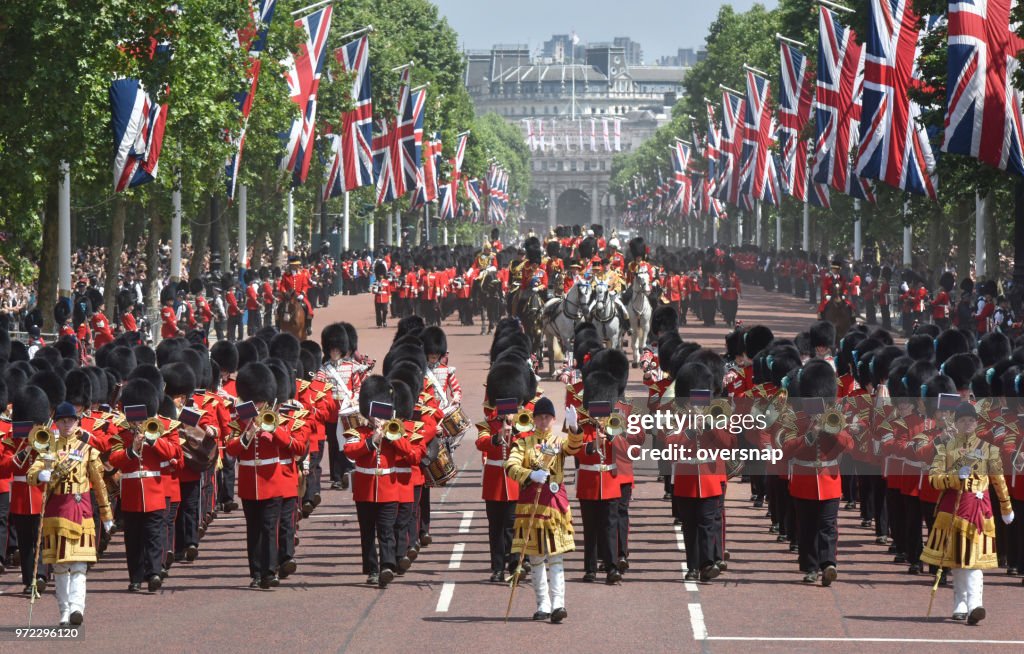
140, 474
22, 478
499, 462
597, 468
255, 463
377, 472
920, 465
164, 464
815, 463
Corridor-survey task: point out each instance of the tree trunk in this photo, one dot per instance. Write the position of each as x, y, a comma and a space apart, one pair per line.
200, 242
48, 259
151, 288
936, 256
1017, 292
223, 243
277, 242
114, 256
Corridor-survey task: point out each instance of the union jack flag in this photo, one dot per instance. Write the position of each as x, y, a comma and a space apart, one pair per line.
756, 136
460, 154
351, 164
795, 98
303, 77
426, 176
396, 148
983, 105
253, 38
838, 106
138, 124
473, 194
683, 200
894, 146
731, 147
410, 136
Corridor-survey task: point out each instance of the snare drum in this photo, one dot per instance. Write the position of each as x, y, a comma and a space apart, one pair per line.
442, 469
350, 421
455, 424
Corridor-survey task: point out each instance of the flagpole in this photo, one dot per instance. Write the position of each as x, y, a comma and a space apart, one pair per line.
389, 235
176, 229
807, 213
426, 221
857, 237
315, 5
243, 227
291, 221
345, 226
799, 44
757, 223
980, 215
837, 7
64, 231
778, 228
368, 28
907, 258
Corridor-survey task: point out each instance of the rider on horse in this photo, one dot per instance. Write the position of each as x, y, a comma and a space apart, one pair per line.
296, 280
530, 275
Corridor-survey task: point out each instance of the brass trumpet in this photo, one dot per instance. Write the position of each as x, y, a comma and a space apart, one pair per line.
523, 421
394, 429
152, 429
613, 425
269, 420
41, 438
719, 408
832, 421
771, 410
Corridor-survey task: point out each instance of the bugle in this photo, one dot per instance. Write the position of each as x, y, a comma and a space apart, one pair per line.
523, 421
613, 425
41, 438
269, 420
393, 429
719, 408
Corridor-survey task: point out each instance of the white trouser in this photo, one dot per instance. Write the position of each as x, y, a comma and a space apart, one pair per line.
967, 590
541, 566
70, 582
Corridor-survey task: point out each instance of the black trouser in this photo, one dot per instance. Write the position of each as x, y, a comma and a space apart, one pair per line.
897, 519
912, 534
313, 478
5, 505
702, 529
501, 517
190, 513
254, 321
286, 530
144, 535
381, 310
886, 317
872, 497
377, 523
235, 328
600, 533
170, 516
758, 481
207, 500
334, 453
261, 518
684, 306
622, 521
869, 312
219, 326
423, 515
818, 529
1015, 550
27, 528
848, 480
268, 314
729, 308
780, 505
226, 479
407, 522
707, 312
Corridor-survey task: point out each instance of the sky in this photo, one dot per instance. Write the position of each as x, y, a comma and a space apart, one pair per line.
660, 26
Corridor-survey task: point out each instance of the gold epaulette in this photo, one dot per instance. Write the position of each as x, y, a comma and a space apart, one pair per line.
303, 384
173, 424
483, 428
416, 426
352, 433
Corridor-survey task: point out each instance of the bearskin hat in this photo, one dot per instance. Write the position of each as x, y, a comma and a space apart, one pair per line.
167, 350
375, 388
404, 400
714, 362
30, 404
967, 285
534, 253
950, 342
598, 229
285, 346
67, 347
817, 379
883, 359
583, 349
151, 374
247, 352
405, 353
284, 378
495, 233
225, 354
179, 379
781, 361
19, 351
313, 348
78, 388
140, 391
822, 334
4, 399
937, 384
267, 334
52, 384
408, 325
434, 340
921, 347
992, 348
505, 380
756, 338
734, 343
947, 281
587, 248
691, 377
517, 340
847, 344
256, 383
600, 386
667, 344
195, 286
262, 349
334, 337
409, 373
664, 319
637, 247
5, 345
1010, 381
99, 387
611, 361
380, 269
929, 330
310, 363
961, 368
553, 248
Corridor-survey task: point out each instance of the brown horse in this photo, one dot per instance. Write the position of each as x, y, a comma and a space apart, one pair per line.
839, 312
291, 316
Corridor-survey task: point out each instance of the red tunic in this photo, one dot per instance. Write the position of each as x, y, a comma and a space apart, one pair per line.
259, 468
381, 474
814, 469
497, 485
142, 489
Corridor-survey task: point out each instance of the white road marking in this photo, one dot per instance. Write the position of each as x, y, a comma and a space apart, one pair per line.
456, 559
680, 541
817, 639
447, 590
467, 518
689, 585
700, 631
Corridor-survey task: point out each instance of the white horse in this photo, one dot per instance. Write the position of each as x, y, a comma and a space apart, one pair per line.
603, 311
639, 310
561, 316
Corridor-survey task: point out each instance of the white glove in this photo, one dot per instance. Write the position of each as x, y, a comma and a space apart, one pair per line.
570, 418
539, 476
1008, 518
43, 477
965, 472
108, 525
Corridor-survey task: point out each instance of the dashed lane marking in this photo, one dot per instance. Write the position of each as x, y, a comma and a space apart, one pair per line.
467, 518
447, 590
457, 550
